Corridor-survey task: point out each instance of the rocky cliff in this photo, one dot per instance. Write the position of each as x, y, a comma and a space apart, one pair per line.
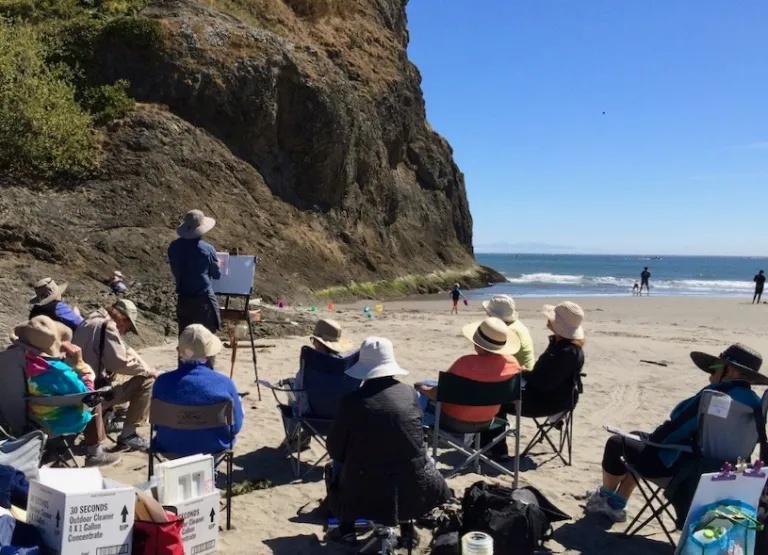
303, 133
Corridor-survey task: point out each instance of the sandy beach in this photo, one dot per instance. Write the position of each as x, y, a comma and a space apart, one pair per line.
619, 390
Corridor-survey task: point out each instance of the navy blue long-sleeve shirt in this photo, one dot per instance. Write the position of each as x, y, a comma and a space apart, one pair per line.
194, 264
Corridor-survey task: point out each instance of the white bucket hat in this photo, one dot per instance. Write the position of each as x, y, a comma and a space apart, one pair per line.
377, 360
196, 342
501, 307
492, 335
195, 225
565, 319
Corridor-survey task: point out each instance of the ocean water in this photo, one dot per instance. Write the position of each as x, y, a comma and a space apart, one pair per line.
539, 275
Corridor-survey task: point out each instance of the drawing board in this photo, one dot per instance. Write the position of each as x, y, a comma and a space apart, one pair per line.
237, 275
741, 486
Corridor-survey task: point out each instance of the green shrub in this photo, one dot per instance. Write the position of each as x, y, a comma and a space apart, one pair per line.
109, 102
42, 127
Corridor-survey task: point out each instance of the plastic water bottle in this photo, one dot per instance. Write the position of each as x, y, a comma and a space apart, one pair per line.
477, 543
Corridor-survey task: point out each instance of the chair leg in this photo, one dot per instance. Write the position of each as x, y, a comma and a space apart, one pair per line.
230, 457
651, 495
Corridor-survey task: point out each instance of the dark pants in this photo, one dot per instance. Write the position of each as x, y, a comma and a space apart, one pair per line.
643, 458
201, 309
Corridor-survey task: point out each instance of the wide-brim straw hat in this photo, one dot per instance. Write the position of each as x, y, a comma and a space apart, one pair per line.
377, 360
492, 335
47, 291
196, 342
195, 225
42, 334
566, 319
501, 307
328, 332
746, 359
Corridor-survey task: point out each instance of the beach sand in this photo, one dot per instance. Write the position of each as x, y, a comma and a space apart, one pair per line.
619, 390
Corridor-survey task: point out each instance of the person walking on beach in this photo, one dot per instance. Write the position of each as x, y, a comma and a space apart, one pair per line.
759, 280
456, 294
645, 275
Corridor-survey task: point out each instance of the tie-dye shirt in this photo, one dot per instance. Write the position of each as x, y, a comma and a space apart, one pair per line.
47, 377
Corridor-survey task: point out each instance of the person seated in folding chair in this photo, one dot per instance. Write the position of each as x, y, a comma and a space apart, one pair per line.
732, 373
491, 362
53, 366
549, 383
503, 308
100, 336
383, 472
48, 302
196, 383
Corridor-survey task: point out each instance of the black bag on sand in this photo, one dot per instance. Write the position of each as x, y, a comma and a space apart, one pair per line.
761, 538
520, 521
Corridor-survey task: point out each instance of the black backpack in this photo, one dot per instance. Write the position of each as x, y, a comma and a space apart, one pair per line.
761, 539
520, 521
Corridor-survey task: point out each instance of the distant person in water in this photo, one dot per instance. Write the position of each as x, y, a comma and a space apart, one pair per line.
456, 295
759, 280
636, 290
645, 275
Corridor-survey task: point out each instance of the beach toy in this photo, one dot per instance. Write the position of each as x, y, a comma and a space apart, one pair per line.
331, 307
299, 305
313, 308
367, 309
466, 302
379, 308
280, 304
370, 315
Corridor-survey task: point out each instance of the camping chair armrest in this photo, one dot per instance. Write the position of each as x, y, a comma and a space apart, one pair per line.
88, 398
280, 386
671, 447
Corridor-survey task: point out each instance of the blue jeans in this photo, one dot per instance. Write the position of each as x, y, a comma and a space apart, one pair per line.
427, 409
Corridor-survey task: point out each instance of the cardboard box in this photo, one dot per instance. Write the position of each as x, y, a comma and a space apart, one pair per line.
79, 513
201, 523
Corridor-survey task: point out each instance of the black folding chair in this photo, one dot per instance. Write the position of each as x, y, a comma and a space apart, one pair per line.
458, 390
561, 424
191, 417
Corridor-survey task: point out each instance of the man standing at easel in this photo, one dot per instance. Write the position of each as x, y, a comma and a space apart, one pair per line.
194, 264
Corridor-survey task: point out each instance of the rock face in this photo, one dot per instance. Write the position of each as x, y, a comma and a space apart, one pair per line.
306, 139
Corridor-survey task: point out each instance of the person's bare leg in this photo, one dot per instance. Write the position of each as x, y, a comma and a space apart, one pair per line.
611, 482
627, 486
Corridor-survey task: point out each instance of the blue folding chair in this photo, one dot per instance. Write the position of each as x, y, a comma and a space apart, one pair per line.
308, 411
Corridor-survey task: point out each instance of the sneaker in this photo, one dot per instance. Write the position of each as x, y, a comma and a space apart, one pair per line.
597, 504
133, 442
102, 459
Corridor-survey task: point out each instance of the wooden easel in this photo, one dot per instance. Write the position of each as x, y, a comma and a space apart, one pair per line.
231, 317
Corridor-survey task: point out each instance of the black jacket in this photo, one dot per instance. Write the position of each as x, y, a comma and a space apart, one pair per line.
549, 386
377, 437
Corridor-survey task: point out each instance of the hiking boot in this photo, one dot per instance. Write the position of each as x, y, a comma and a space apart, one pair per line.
133, 442
102, 459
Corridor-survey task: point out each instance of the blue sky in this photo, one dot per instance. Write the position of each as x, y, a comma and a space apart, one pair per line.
678, 163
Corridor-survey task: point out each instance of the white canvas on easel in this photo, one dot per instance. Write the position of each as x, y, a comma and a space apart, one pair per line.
743, 488
238, 280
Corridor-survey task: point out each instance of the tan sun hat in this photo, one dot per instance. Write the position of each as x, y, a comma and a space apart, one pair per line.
377, 360
128, 309
47, 291
196, 342
43, 334
195, 225
328, 332
566, 319
501, 307
492, 335
118, 273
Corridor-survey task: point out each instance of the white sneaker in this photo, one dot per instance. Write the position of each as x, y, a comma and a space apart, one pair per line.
594, 497
597, 504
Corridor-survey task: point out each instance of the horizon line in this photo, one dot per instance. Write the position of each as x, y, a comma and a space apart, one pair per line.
627, 254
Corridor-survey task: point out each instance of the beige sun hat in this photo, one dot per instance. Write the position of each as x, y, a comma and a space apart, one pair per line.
501, 307
195, 225
377, 360
196, 342
328, 332
492, 335
566, 319
118, 273
128, 309
43, 334
47, 291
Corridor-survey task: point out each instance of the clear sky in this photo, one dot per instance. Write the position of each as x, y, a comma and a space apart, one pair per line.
617, 126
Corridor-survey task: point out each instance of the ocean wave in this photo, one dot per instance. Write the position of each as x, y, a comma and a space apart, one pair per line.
609, 282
